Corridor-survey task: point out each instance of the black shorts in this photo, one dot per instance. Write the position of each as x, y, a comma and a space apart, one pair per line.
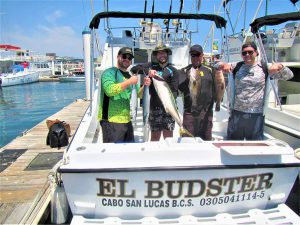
117, 132
160, 120
249, 126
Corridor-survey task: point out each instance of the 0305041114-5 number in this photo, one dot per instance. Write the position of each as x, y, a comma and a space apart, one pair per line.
232, 198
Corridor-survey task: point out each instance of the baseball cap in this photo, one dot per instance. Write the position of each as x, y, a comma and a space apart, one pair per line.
125, 50
250, 44
196, 48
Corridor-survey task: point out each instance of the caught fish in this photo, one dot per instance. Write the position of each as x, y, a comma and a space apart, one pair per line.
168, 101
220, 88
195, 87
133, 103
146, 110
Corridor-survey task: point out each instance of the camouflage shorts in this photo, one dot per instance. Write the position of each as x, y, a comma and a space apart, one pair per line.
159, 119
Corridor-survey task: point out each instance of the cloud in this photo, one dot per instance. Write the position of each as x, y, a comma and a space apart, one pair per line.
62, 40
53, 17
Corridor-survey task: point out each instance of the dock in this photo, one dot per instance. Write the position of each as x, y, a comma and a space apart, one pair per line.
25, 190
48, 79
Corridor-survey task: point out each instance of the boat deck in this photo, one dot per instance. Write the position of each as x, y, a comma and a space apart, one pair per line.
25, 165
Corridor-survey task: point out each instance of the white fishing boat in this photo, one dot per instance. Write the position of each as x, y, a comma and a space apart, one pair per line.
177, 180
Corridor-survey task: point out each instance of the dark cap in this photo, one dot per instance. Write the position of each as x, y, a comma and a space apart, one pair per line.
196, 48
250, 44
162, 48
125, 50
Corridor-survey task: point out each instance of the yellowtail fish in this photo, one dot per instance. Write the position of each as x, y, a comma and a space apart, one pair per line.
146, 110
219, 88
168, 101
133, 103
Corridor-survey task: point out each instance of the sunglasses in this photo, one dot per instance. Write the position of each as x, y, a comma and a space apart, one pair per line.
127, 56
244, 53
195, 55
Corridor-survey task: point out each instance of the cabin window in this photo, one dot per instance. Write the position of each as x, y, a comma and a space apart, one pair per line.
140, 56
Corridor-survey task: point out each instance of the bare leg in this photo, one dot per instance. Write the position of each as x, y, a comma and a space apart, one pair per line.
155, 135
167, 133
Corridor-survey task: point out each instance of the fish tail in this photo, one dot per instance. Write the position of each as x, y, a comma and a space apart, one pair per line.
183, 131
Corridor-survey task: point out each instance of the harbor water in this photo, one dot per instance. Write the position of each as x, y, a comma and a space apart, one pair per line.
24, 106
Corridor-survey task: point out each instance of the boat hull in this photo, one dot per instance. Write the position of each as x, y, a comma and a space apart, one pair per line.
18, 78
173, 192
72, 79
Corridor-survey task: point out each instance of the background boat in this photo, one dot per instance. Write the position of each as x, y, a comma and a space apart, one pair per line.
19, 66
72, 78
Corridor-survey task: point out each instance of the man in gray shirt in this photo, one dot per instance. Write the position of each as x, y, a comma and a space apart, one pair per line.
247, 97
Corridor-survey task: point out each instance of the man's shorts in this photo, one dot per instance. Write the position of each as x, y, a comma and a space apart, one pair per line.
117, 132
160, 120
249, 126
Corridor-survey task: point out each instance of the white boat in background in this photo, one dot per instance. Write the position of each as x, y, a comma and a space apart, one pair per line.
177, 180
19, 66
12, 74
36, 62
72, 78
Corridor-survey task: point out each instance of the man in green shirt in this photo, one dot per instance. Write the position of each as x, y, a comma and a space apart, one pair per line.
114, 109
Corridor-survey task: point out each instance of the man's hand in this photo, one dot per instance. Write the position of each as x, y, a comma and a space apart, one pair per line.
147, 81
133, 79
152, 73
275, 67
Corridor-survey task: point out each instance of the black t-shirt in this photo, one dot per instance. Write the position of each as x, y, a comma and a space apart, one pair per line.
169, 73
206, 97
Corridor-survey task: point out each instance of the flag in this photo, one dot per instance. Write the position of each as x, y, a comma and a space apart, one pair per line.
215, 45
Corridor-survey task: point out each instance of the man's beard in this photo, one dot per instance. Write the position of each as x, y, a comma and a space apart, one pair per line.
162, 60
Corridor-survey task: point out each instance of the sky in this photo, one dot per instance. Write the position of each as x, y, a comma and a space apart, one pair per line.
55, 26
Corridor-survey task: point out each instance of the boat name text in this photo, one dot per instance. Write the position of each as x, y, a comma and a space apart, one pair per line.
176, 189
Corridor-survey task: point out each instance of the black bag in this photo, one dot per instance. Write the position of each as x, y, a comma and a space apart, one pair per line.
57, 136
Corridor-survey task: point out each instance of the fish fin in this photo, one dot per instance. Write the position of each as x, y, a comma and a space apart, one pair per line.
184, 131
217, 108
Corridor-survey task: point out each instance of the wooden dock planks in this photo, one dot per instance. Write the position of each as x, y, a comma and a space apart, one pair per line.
25, 194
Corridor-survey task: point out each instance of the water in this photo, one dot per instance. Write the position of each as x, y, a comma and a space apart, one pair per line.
24, 106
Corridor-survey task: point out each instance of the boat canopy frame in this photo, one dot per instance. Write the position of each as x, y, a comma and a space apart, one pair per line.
219, 21
274, 19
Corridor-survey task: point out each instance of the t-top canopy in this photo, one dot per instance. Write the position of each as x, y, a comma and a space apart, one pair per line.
273, 20
219, 21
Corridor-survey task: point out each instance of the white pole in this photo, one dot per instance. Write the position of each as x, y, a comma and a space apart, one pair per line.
53, 68
61, 68
86, 34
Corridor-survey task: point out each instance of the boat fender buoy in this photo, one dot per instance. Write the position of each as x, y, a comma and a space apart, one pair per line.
297, 153
59, 205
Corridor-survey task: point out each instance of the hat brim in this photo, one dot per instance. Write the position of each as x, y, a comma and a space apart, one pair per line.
169, 52
124, 53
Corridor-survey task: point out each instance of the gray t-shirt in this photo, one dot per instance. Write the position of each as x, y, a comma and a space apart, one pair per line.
249, 88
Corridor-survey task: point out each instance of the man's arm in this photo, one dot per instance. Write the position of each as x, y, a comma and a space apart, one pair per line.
225, 67
281, 72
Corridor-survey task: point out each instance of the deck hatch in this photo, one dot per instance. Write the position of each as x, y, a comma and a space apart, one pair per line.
8, 156
44, 161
